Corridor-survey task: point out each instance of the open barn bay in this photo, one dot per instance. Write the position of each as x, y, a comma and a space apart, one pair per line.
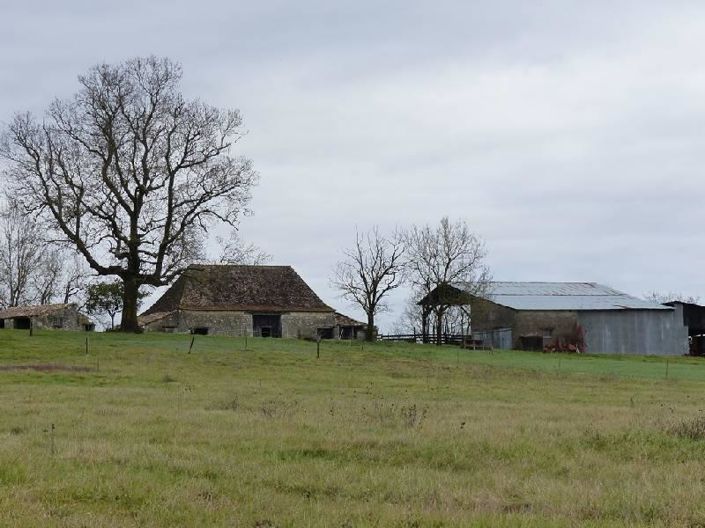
140, 432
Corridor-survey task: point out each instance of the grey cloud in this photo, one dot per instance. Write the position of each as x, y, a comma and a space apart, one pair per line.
568, 133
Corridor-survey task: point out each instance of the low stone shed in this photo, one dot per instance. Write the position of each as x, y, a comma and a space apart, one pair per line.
238, 300
56, 316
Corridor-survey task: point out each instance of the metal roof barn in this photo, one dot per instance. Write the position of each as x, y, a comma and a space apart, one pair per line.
553, 315
573, 296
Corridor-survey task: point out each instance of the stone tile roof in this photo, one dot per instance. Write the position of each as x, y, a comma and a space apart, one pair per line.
225, 287
153, 317
39, 310
344, 320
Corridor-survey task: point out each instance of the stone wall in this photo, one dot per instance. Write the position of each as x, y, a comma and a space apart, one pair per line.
68, 319
487, 316
305, 324
294, 324
556, 324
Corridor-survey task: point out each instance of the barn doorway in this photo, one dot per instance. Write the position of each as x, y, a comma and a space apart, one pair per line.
22, 323
266, 325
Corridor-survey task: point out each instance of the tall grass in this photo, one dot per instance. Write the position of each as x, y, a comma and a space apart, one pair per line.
395, 435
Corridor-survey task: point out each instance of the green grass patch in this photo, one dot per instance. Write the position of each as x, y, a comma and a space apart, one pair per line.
261, 433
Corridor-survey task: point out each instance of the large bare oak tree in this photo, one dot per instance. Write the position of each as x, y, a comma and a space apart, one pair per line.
369, 271
130, 172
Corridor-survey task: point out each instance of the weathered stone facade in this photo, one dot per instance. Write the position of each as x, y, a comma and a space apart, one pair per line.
239, 323
551, 325
51, 316
306, 324
487, 316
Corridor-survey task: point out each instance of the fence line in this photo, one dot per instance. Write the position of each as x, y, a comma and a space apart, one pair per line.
446, 339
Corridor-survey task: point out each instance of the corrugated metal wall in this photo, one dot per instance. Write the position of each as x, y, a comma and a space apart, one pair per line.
500, 338
643, 332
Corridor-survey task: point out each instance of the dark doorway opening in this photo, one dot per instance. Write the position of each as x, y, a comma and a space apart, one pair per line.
2, 323
23, 323
200, 330
325, 333
266, 325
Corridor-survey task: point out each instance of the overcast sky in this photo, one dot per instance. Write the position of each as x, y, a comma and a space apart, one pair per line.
570, 135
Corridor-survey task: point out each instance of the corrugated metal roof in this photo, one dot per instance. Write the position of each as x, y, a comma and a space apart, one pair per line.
578, 296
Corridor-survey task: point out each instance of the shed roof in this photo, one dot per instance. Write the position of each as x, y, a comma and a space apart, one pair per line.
39, 310
225, 287
574, 296
344, 320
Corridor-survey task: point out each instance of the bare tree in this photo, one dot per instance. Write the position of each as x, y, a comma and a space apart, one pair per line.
369, 271
74, 281
234, 250
130, 173
47, 277
662, 298
442, 255
21, 252
34, 269
61, 277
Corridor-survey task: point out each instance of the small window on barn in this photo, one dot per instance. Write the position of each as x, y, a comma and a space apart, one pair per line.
200, 330
547, 332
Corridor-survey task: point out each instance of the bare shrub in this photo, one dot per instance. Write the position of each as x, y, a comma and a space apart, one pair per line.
691, 428
231, 404
278, 408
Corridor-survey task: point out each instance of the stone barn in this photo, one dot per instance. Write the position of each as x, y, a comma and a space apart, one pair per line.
57, 316
535, 315
238, 300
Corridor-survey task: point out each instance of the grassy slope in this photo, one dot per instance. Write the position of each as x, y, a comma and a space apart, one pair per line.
390, 436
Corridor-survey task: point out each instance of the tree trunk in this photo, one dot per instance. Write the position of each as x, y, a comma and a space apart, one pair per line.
424, 324
370, 334
128, 323
439, 327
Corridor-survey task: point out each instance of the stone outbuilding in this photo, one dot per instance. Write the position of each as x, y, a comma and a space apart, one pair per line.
56, 316
238, 300
349, 328
345, 328
539, 315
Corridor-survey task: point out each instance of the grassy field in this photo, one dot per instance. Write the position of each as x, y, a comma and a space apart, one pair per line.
138, 432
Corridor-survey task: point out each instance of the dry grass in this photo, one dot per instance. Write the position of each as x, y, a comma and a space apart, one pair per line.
147, 435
